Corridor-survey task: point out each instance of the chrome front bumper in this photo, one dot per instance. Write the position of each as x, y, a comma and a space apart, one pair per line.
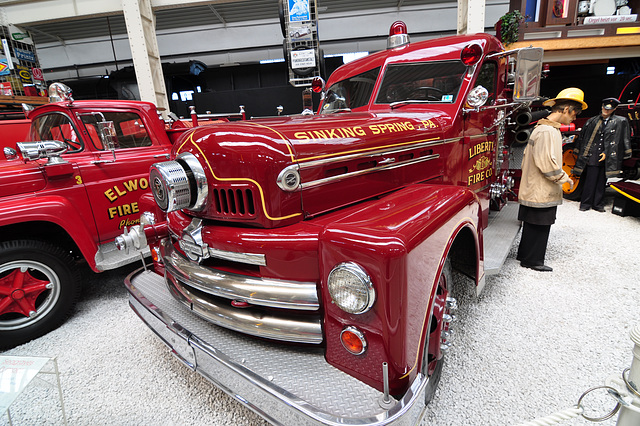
285, 384
209, 294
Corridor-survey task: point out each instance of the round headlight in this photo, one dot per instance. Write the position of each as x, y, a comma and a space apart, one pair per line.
350, 288
179, 184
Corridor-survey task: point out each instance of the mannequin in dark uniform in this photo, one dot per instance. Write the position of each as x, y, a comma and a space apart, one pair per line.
602, 144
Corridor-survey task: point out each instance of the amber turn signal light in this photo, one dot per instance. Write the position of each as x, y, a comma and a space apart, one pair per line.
353, 340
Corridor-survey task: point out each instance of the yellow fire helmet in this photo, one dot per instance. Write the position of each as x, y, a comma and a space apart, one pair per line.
570, 93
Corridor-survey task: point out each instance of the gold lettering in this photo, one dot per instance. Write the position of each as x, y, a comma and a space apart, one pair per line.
110, 195
332, 134
300, 135
112, 212
123, 210
144, 183
132, 185
349, 132
120, 193
319, 134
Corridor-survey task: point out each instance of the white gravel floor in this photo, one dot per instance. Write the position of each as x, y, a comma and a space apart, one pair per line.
529, 346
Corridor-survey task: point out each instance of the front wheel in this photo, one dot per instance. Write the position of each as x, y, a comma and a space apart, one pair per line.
439, 333
39, 285
569, 157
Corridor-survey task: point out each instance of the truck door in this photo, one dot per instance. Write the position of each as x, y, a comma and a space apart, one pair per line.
115, 180
112, 181
482, 137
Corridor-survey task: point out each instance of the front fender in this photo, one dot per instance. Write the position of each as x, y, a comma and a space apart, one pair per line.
402, 241
58, 210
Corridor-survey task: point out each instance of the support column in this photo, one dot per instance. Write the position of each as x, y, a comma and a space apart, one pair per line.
471, 16
141, 25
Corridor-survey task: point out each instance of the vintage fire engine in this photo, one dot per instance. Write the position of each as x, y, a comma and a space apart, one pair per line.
304, 263
64, 196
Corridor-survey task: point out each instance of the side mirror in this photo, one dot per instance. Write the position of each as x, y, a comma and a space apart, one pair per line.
528, 74
108, 134
43, 149
10, 153
477, 97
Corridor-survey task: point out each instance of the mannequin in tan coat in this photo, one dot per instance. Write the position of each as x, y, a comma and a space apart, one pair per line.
542, 178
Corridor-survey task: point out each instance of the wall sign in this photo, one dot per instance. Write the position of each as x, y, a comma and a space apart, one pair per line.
25, 55
4, 67
25, 75
303, 59
299, 10
5, 88
7, 52
37, 74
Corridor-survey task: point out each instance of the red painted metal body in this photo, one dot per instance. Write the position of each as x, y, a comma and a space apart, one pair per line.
13, 131
389, 187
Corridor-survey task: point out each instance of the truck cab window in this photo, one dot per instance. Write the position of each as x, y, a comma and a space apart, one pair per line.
56, 127
130, 129
351, 93
431, 82
487, 79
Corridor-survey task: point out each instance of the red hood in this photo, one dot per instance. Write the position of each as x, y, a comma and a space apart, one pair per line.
330, 151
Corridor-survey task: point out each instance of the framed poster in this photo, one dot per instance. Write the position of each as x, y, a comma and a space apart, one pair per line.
5, 88
299, 10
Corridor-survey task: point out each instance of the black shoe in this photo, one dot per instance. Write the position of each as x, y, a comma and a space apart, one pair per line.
599, 209
584, 209
539, 268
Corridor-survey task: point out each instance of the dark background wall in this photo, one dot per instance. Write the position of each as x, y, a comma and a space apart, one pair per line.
261, 88
594, 81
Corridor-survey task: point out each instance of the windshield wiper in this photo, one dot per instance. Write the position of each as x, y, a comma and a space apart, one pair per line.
394, 105
333, 111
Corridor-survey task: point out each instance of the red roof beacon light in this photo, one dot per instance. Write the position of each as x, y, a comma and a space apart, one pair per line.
397, 35
471, 54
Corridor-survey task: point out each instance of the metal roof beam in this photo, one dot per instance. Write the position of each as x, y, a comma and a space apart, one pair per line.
215, 12
140, 21
23, 12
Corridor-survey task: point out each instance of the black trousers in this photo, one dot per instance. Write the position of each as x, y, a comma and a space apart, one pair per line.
533, 244
593, 188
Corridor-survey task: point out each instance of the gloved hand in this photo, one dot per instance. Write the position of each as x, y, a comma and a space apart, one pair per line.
602, 156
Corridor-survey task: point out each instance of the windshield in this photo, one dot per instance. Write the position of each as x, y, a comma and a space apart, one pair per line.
421, 82
129, 127
350, 93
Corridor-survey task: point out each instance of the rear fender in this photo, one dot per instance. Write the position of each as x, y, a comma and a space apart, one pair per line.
402, 242
58, 210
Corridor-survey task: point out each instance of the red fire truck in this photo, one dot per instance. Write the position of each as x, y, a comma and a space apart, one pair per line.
65, 194
304, 264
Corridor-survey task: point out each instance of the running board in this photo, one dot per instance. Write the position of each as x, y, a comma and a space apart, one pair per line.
109, 257
499, 236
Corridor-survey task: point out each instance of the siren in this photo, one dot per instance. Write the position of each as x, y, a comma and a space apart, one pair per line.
398, 35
